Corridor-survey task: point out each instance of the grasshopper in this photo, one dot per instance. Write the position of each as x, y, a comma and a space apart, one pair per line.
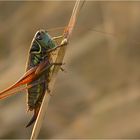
38, 70
39, 65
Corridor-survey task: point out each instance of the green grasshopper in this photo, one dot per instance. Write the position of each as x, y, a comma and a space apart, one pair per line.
39, 66
40, 52
38, 70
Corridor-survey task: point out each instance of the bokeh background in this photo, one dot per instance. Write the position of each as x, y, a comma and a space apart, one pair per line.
99, 95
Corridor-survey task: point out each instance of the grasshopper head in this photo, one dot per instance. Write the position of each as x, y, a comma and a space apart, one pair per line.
43, 38
42, 42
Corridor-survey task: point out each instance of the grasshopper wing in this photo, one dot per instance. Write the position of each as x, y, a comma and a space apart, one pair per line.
28, 77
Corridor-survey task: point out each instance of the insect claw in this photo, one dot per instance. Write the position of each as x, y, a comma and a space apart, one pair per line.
64, 41
49, 92
62, 69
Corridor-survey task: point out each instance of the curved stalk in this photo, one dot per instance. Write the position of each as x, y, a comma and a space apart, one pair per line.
59, 59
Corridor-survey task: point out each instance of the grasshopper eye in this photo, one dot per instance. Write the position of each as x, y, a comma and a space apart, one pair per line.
39, 36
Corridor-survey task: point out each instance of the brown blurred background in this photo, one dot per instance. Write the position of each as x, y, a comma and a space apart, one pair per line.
99, 95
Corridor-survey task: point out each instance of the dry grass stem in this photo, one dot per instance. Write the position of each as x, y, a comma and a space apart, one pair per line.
59, 58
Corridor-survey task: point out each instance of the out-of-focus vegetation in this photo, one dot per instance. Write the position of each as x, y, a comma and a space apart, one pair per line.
99, 96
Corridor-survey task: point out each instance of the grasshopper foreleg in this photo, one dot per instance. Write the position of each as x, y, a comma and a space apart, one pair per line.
63, 43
